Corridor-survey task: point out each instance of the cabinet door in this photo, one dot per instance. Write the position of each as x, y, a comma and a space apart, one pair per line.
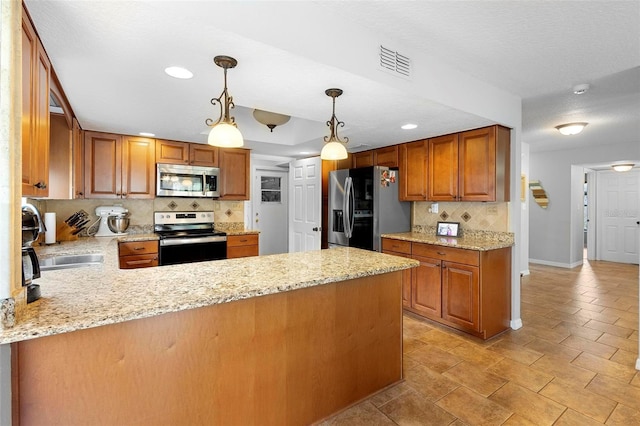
426, 288
43, 74
363, 159
443, 168
346, 163
406, 273
234, 173
171, 152
203, 155
412, 164
477, 162
103, 165
461, 295
387, 156
138, 167
78, 160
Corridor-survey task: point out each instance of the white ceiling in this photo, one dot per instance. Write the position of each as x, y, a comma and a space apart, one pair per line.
110, 57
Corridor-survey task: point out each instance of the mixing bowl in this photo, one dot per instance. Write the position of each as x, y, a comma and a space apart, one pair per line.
118, 224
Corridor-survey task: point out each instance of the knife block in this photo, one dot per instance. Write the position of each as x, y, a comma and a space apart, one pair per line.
64, 232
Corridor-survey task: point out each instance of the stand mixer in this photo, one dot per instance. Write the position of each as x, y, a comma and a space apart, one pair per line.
104, 213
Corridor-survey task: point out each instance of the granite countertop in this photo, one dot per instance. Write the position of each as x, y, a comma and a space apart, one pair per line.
151, 237
241, 232
481, 241
91, 296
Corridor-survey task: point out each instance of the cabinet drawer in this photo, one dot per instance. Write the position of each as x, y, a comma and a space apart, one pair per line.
139, 261
138, 247
449, 254
398, 246
242, 251
242, 240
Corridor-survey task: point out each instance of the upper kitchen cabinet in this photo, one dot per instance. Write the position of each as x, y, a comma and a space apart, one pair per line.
412, 161
363, 159
234, 173
118, 166
470, 166
387, 156
194, 154
36, 72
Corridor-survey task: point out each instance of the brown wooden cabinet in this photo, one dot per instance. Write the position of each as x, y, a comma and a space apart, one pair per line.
195, 154
234, 173
242, 246
466, 289
386, 156
36, 73
402, 249
412, 163
470, 166
138, 254
363, 159
77, 143
119, 166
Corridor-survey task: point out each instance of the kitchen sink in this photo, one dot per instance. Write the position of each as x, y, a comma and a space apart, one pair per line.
70, 261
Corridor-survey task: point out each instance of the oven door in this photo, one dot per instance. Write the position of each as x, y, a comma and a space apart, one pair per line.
175, 180
192, 249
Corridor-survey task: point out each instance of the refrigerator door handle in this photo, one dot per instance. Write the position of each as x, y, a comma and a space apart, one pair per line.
349, 207
345, 207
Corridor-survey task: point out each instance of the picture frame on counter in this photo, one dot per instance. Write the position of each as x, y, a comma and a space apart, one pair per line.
448, 229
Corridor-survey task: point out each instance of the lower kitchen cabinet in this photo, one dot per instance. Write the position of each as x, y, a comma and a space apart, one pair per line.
138, 254
402, 249
242, 245
465, 289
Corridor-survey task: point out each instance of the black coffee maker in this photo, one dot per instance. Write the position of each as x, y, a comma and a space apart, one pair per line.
32, 227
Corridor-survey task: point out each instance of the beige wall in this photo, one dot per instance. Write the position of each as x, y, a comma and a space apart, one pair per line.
478, 217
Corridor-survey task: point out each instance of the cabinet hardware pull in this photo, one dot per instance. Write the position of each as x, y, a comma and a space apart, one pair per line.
138, 248
40, 185
442, 254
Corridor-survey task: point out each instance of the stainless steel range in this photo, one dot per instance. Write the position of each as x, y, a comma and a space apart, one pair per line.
188, 237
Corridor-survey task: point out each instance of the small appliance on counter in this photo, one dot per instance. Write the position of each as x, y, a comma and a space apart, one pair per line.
112, 221
32, 227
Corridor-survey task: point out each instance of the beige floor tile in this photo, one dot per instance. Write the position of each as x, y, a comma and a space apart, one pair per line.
429, 383
609, 328
515, 352
441, 339
382, 398
617, 304
636, 380
576, 330
527, 404
518, 420
475, 378
624, 416
409, 344
627, 323
474, 354
621, 313
622, 392
434, 358
619, 342
521, 374
604, 366
472, 408
519, 337
363, 414
554, 349
625, 358
573, 418
413, 409
554, 335
407, 364
564, 370
582, 344
586, 304
581, 400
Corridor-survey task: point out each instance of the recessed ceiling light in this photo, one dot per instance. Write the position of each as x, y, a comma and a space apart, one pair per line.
409, 126
147, 134
178, 72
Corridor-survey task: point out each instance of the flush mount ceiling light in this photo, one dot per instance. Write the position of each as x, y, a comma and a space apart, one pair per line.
409, 126
334, 148
270, 119
224, 132
623, 167
178, 72
571, 128
580, 89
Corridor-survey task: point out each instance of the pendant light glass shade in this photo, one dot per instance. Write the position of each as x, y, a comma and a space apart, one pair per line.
226, 136
333, 151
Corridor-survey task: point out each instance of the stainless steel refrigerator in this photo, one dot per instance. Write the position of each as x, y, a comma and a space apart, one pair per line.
363, 204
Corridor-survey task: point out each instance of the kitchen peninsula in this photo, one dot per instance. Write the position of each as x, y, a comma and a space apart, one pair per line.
280, 339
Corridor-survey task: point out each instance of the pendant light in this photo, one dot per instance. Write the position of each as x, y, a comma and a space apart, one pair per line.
224, 132
334, 148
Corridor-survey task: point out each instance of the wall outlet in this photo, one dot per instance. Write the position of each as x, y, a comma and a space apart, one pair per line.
433, 208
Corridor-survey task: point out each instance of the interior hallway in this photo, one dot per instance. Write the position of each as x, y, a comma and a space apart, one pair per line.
571, 364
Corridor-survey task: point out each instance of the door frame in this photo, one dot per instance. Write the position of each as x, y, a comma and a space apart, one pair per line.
256, 198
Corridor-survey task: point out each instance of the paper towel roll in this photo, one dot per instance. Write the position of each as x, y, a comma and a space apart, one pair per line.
50, 223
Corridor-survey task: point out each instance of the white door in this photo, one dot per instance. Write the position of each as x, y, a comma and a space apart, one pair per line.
617, 216
591, 215
305, 187
270, 209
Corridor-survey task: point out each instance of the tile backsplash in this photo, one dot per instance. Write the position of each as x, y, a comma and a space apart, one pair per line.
141, 211
472, 216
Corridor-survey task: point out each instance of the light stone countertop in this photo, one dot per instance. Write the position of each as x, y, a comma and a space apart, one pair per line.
91, 296
478, 241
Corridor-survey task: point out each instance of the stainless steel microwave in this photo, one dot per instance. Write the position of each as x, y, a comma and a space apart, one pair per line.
178, 180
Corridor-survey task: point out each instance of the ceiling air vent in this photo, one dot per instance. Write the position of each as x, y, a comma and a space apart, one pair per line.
390, 60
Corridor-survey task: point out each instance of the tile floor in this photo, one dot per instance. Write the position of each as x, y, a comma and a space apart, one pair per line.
572, 363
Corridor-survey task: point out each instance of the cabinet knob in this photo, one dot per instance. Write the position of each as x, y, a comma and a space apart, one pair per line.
442, 253
40, 185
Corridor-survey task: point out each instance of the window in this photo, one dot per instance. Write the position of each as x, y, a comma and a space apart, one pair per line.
271, 189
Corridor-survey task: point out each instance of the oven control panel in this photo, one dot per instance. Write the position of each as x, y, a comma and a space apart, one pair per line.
173, 218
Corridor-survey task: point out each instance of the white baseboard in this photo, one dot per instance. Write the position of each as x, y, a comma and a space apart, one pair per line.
517, 324
556, 264
525, 273
638, 364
